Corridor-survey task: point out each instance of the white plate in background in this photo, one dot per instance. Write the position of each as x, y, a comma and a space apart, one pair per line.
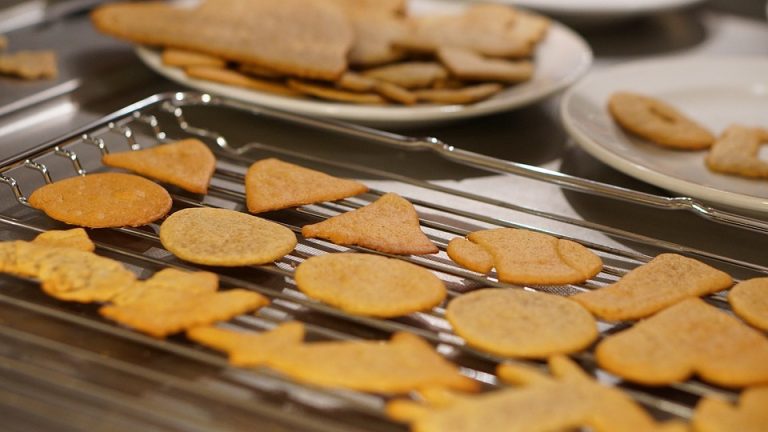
561, 59
714, 91
600, 11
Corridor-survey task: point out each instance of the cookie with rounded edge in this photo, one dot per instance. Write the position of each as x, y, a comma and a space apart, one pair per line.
518, 323
389, 224
662, 282
658, 122
737, 150
103, 200
749, 415
689, 338
370, 285
188, 163
749, 300
75, 238
470, 255
222, 237
184, 58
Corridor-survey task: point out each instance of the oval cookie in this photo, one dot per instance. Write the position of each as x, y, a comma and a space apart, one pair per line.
749, 300
103, 200
519, 323
369, 285
224, 237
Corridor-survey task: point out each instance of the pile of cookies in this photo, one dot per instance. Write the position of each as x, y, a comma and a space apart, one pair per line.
735, 152
357, 51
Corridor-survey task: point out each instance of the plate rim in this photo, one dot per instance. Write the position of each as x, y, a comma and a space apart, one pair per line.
665, 181
609, 9
390, 114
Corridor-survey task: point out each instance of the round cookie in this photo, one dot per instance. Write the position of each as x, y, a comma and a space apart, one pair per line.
224, 237
749, 300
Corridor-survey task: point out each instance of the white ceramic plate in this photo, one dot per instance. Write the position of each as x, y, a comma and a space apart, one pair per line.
561, 59
715, 91
592, 11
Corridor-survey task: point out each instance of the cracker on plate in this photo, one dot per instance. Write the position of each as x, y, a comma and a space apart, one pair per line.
468, 65
103, 200
371, 285
736, 152
409, 75
228, 76
688, 338
185, 58
663, 281
188, 163
462, 95
272, 184
323, 91
224, 237
520, 323
389, 224
749, 300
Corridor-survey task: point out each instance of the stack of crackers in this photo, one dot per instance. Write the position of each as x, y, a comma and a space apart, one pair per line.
357, 51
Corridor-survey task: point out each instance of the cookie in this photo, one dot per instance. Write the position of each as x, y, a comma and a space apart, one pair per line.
169, 279
566, 400
30, 65
389, 224
369, 285
662, 282
749, 300
355, 82
380, 7
468, 65
75, 238
749, 415
470, 255
3, 42
409, 75
658, 122
688, 338
395, 93
103, 200
272, 184
526, 257
259, 71
227, 76
314, 36
188, 163
463, 95
334, 94
402, 364
224, 237
183, 58
518, 323
736, 152
160, 313
375, 34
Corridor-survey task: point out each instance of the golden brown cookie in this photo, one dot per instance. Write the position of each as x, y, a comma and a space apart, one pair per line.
658, 122
227, 76
749, 300
662, 282
568, 400
169, 279
389, 224
188, 163
526, 257
29, 65
313, 40
75, 238
222, 237
749, 415
334, 94
468, 65
463, 95
259, 71
395, 93
383, 7
409, 75
375, 34
184, 58
518, 323
355, 82
272, 184
736, 152
103, 200
402, 364
688, 338
470, 255
160, 313
369, 285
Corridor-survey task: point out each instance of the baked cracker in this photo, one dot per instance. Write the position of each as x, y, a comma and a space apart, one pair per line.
658, 122
389, 224
468, 65
518, 323
369, 285
409, 75
749, 300
395, 93
231, 77
259, 71
272, 184
183, 58
662, 282
374, 37
223, 237
334, 94
463, 95
187, 163
353, 81
381, 7
103, 200
749, 415
736, 152
688, 338
30, 65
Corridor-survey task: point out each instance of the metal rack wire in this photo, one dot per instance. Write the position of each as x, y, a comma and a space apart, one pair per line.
162, 118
